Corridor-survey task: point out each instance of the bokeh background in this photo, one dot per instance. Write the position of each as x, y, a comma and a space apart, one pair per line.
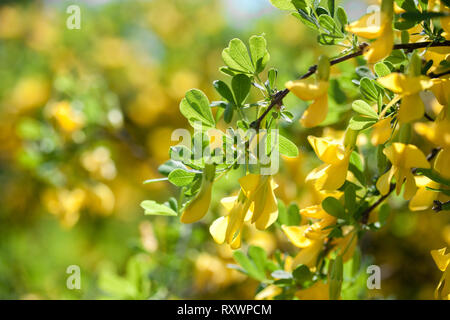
86, 116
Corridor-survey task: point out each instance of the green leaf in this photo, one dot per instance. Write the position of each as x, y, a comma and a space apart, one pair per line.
288, 216
272, 76
223, 89
167, 167
355, 159
356, 262
350, 198
302, 274
329, 24
153, 208
331, 6
444, 191
381, 69
300, 4
281, 274
361, 122
228, 114
368, 89
363, 108
433, 175
341, 16
195, 107
306, 19
397, 57
336, 276
383, 214
227, 71
241, 88
258, 51
180, 177
283, 4
285, 146
356, 167
333, 207
417, 16
258, 256
249, 267
237, 58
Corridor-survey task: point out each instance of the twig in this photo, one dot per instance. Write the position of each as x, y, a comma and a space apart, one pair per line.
366, 213
277, 98
437, 75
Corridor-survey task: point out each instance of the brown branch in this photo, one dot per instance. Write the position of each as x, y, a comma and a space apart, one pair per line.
277, 98
366, 213
437, 75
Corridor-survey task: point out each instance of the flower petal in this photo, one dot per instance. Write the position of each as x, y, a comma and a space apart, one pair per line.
308, 89
411, 108
315, 113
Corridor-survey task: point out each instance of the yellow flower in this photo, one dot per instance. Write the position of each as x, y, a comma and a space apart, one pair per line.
309, 238
309, 89
423, 199
403, 157
441, 90
67, 118
442, 261
381, 131
318, 291
408, 88
310, 247
269, 292
229, 228
256, 203
198, 207
441, 163
332, 174
317, 230
367, 27
438, 132
259, 189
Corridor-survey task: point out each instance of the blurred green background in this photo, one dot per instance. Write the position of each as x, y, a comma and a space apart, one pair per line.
86, 116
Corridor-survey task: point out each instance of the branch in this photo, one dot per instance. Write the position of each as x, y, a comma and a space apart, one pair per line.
277, 99
366, 213
439, 206
437, 75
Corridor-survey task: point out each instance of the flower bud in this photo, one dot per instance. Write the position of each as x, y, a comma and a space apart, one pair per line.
323, 68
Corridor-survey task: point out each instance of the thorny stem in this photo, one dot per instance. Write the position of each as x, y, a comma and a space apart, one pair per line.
277, 99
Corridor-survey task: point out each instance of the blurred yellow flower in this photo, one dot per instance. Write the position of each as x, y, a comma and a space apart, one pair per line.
68, 119
29, 93
318, 291
65, 204
441, 90
11, 23
269, 292
212, 273
99, 163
